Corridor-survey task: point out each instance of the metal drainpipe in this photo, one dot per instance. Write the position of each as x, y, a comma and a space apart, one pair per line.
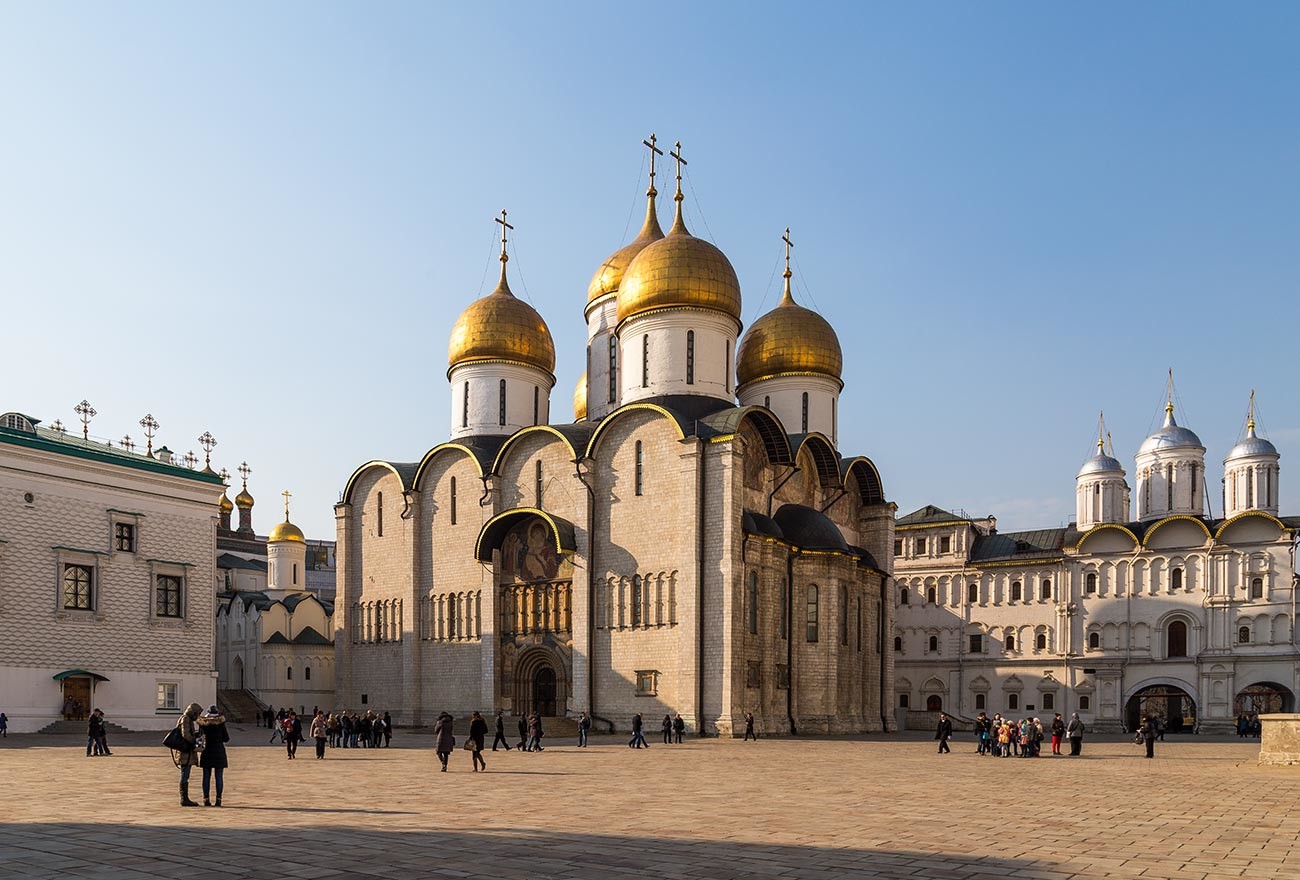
789, 638
591, 597
699, 587
884, 638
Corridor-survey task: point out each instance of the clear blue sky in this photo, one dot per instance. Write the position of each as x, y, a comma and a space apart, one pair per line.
261, 219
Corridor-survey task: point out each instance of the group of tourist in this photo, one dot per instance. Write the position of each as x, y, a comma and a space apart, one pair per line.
97, 735
200, 741
1000, 737
674, 727
1248, 725
347, 730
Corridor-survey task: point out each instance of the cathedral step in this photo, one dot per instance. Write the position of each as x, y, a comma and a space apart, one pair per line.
239, 706
63, 727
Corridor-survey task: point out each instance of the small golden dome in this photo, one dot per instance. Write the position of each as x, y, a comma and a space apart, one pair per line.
580, 399
610, 274
788, 339
500, 327
679, 271
286, 531
243, 500
224, 504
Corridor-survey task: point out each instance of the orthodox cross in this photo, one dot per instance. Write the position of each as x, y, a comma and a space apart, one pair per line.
287, 495
57, 425
150, 425
1250, 416
504, 226
788, 245
1101, 432
191, 459
677, 154
127, 444
207, 441
225, 476
1169, 405
244, 471
86, 412
654, 151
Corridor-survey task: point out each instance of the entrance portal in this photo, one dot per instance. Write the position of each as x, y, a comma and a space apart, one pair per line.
1265, 697
933, 703
544, 691
1171, 706
76, 698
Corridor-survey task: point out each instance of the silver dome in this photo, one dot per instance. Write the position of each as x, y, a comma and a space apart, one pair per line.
1170, 436
1252, 445
1101, 464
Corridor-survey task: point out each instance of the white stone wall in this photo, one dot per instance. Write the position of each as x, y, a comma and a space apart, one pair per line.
601, 317
784, 395
70, 519
483, 382
666, 331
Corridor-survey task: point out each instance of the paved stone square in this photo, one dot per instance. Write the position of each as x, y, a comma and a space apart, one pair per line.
800, 808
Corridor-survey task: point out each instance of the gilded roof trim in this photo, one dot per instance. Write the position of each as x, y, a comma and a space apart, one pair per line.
630, 407
1137, 542
376, 463
1146, 536
1248, 513
445, 447
678, 307
492, 360
531, 429
561, 530
795, 374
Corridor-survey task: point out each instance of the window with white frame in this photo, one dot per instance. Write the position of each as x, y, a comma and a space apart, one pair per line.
647, 683
78, 587
167, 595
169, 695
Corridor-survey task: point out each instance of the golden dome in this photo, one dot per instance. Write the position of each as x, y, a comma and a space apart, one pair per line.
580, 399
678, 271
788, 339
610, 274
224, 504
243, 500
286, 531
500, 327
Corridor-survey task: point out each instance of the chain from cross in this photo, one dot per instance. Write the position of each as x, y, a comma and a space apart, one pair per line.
191, 459
654, 151
244, 471
208, 442
150, 425
127, 444
287, 495
677, 154
504, 226
86, 412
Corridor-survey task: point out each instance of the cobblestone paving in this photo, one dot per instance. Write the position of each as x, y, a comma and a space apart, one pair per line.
816, 809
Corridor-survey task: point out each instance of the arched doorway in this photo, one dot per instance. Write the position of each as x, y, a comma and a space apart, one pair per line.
1264, 697
1177, 639
933, 703
544, 691
1170, 705
239, 672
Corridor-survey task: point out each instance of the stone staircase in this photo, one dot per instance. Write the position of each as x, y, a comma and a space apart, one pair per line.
77, 728
238, 706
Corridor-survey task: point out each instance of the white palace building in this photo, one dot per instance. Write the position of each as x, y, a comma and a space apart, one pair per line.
1171, 613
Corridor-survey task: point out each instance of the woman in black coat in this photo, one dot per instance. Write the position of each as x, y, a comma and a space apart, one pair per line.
212, 724
477, 734
445, 739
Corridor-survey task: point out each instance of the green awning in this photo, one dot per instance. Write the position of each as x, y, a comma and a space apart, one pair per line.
73, 673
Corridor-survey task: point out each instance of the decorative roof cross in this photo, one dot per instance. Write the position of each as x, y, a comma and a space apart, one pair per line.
244, 471
150, 425
57, 425
1250, 413
654, 151
86, 412
127, 444
225, 476
208, 442
191, 459
677, 154
287, 495
1101, 432
504, 226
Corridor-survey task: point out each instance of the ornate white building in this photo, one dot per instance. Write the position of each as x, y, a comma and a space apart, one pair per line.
670, 550
1172, 613
107, 557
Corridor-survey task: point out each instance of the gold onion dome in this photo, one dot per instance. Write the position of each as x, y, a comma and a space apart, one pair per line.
580, 399
286, 531
788, 340
224, 504
243, 500
609, 276
499, 327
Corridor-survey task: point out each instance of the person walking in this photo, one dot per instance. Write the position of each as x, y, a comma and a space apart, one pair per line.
292, 733
584, 725
388, 730
668, 730
94, 735
1058, 732
1147, 735
212, 724
943, 733
320, 733
187, 757
277, 726
638, 734
445, 739
477, 734
679, 727
535, 733
749, 728
4, 725
500, 735
523, 732
1074, 732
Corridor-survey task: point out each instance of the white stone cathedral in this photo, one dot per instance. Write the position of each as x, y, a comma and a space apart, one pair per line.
1173, 613
692, 542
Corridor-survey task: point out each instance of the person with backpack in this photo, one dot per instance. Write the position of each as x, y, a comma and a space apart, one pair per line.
212, 724
184, 743
1074, 732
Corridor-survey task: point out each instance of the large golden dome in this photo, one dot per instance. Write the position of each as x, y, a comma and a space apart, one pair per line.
788, 340
679, 271
500, 327
580, 399
610, 274
286, 531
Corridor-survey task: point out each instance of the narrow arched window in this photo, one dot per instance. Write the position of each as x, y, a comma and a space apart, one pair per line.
751, 603
1090, 583
934, 643
844, 616
1250, 491
639, 470
1193, 503
1176, 579
857, 603
464, 406
1257, 588
537, 405
690, 357
904, 596
972, 593
811, 633
1040, 642
453, 501
785, 609
539, 483
931, 597
453, 617
379, 514
1047, 590
1015, 591
613, 369
1177, 639
1243, 634
295, 574
767, 401
728, 366
805, 412
1010, 642
898, 643
1094, 640
636, 600
1169, 487
645, 361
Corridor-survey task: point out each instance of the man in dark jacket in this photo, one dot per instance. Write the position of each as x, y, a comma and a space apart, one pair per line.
523, 733
1074, 731
584, 727
638, 735
943, 733
95, 735
983, 730
679, 727
535, 733
1148, 730
749, 727
500, 736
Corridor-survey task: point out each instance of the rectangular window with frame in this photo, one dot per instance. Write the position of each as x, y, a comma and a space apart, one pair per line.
811, 633
753, 674
945, 545
977, 644
645, 361
167, 595
920, 546
78, 587
783, 677
647, 683
898, 547
169, 695
1049, 701
124, 537
690, 357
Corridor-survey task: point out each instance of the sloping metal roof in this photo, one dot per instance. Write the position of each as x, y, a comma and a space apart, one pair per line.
929, 514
